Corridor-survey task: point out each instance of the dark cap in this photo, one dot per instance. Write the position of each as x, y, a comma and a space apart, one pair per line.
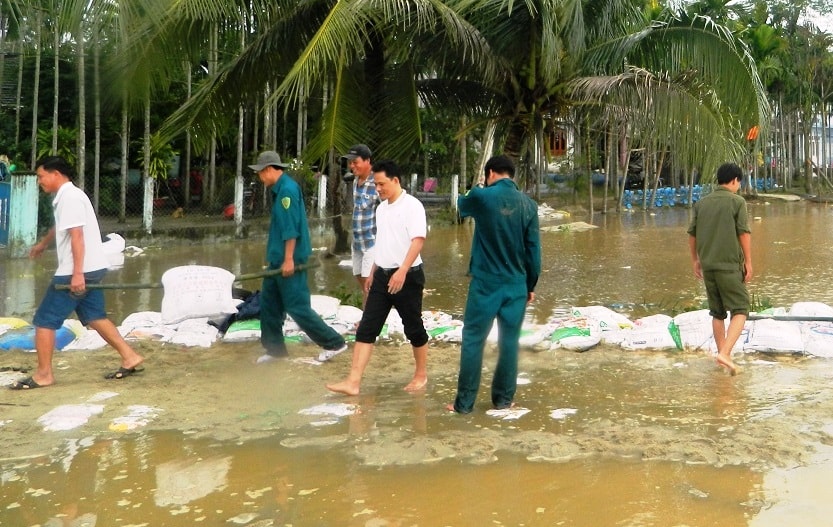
267, 159
361, 151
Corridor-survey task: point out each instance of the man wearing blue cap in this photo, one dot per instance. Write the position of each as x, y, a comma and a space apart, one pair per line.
288, 246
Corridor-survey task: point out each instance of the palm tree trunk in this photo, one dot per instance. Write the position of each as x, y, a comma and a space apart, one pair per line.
300, 135
82, 109
187, 161
36, 88
17, 106
56, 85
96, 123
125, 141
212, 69
147, 201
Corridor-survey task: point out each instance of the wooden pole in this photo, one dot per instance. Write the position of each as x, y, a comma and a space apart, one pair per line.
158, 285
790, 318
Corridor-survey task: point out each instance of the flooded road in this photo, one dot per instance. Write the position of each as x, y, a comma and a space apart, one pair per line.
611, 438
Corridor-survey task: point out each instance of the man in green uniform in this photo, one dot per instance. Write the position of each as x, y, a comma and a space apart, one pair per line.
720, 244
504, 267
288, 245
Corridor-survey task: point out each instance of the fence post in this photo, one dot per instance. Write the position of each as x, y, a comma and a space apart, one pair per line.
413, 188
23, 216
455, 191
147, 203
322, 195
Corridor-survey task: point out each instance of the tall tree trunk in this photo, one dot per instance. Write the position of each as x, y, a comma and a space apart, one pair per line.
17, 105
96, 123
82, 110
187, 161
36, 88
300, 135
806, 137
55, 85
125, 142
212, 69
238, 175
147, 180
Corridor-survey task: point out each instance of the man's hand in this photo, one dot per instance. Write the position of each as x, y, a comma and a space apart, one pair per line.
37, 250
397, 280
77, 284
747, 272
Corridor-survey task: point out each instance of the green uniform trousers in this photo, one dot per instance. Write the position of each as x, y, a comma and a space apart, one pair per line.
281, 296
486, 302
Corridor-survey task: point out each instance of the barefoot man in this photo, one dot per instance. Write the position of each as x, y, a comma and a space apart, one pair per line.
81, 261
397, 280
720, 244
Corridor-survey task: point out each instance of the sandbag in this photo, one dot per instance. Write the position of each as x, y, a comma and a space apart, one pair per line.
197, 291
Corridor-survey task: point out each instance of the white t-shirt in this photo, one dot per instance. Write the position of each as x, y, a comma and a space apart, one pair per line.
397, 224
72, 208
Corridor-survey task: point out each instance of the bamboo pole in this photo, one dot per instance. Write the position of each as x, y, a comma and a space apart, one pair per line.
790, 318
158, 285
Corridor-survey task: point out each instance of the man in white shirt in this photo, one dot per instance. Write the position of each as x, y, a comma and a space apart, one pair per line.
397, 280
81, 261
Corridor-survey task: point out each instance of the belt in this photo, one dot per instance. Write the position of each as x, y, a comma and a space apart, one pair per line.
390, 271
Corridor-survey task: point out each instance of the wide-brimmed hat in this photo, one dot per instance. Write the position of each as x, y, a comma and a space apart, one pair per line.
268, 159
355, 151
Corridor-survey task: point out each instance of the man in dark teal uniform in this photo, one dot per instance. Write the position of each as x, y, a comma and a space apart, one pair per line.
504, 267
288, 245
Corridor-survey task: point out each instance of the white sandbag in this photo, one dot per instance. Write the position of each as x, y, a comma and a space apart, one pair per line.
607, 319
818, 338
651, 332
775, 336
243, 331
531, 334
194, 332
576, 335
114, 243
141, 319
811, 309
349, 314
90, 340
451, 332
649, 337
194, 291
695, 330
325, 306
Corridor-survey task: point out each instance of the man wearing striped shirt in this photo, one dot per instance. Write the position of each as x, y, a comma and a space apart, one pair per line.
365, 200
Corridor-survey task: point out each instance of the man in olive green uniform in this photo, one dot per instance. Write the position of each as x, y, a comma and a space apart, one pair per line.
504, 267
720, 244
288, 245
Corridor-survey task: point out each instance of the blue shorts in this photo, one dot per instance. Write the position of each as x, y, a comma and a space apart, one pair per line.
58, 304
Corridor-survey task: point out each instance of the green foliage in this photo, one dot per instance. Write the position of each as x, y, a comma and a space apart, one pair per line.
67, 143
161, 157
349, 296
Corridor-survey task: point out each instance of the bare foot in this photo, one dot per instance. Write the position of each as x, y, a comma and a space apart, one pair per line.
505, 407
727, 363
416, 384
450, 407
345, 387
134, 365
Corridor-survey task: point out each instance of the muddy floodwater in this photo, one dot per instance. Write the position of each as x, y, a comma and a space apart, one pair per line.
611, 438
